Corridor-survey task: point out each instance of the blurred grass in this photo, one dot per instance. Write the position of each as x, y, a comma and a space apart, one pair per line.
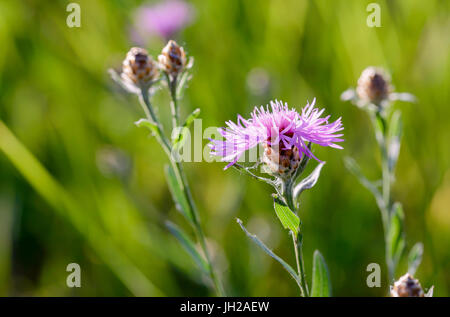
56, 98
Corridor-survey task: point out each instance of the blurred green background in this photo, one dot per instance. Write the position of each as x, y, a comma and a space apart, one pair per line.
57, 99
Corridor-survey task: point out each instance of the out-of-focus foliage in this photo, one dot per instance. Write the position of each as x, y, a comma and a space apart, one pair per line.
57, 99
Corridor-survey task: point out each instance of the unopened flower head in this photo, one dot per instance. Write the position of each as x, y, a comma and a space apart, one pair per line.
374, 85
374, 91
407, 286
172, 59
139, 69
283, 132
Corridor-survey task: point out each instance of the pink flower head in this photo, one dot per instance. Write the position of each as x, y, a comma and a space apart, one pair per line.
165, 18
277, 125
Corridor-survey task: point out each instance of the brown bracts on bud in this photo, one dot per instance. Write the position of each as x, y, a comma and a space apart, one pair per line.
374, 85
407, 286
172, 59
281, 163
139, 69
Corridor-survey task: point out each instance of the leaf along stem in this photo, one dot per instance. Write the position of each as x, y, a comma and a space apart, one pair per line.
288, 194
180, 175
380, 125
285, 265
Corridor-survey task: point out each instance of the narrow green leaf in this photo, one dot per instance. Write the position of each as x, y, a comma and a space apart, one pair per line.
148, 124
309, 181
185, 78
430, 292
70, 208
288, 219
349, 95
247, 171
379, 124
179, 134
394, 138
403, 96
188, 245
177, 194
415, 257
194, 115
321, 286
126, 86
255, 239
396, 242
354, 168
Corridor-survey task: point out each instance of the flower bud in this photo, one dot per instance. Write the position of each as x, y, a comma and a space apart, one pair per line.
407, 286
139, 69
373, 85
281, 163
172, 59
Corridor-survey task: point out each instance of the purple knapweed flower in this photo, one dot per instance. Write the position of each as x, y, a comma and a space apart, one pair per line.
283, 132
163, 19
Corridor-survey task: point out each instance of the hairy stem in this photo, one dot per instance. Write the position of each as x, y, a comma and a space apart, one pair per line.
381, 136
297, 260
182, 179
300, 267
297, 241
174, 100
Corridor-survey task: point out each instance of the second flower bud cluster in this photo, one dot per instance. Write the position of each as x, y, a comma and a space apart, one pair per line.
140, 71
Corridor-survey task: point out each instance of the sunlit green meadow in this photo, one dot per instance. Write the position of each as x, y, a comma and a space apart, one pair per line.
62, 117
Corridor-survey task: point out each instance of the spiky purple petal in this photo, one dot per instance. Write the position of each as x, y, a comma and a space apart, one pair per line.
277, 125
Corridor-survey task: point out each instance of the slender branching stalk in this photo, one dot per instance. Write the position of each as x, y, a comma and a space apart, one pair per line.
298, 237
374, 95
139, 75
180, 175
287, 137
380, 125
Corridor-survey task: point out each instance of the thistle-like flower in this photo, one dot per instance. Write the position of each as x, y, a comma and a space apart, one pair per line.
286, 136
408, 286
283, 132
172, 59
374, 90
139, 71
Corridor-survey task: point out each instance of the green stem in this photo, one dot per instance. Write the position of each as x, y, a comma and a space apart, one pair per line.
174, 100
182, 179
151, 116
300, 266
297, 260
380, 134
247, 171
298, 242
288, 194
302, 269
198, 228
